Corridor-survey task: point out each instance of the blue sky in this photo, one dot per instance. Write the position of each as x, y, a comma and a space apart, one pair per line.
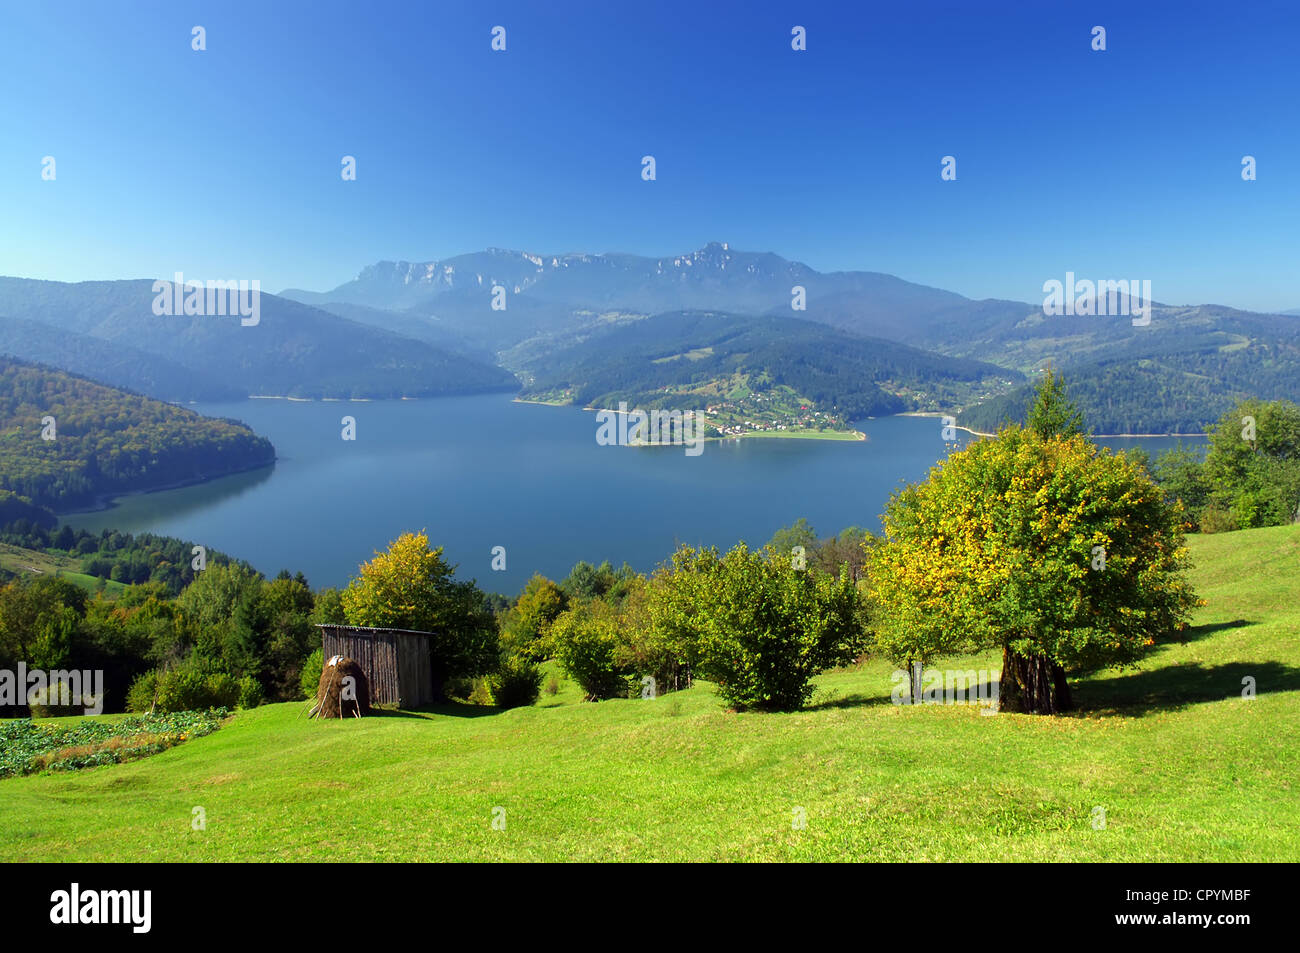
225, 163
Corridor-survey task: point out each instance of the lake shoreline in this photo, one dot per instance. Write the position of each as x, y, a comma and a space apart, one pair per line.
480, 471
107, 501
842, 435
980, 433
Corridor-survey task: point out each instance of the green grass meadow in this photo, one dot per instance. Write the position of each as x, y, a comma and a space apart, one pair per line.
22, 562
1184, 768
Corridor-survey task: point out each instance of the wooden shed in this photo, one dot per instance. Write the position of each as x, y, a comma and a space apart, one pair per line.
397, 662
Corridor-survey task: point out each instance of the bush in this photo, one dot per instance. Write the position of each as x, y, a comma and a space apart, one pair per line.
654, 642
311, 672
526, 627
479, 694
761, 628
1216, 519
552, 686
517, 683
1254, 471
459, 688
44, 703
586, 642
250, 692
220, 690
1249, 509
140, 696
182, 689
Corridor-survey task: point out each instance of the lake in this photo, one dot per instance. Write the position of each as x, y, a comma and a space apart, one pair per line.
484, 471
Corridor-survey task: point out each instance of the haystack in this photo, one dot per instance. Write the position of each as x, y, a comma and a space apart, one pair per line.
330, 702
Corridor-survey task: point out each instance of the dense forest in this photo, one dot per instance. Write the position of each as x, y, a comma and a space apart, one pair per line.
115, 556
661, 361
66, 441
1181, 394
1176, 376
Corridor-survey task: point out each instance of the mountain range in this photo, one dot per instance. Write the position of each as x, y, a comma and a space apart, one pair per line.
584, 327
108, 330
555, 292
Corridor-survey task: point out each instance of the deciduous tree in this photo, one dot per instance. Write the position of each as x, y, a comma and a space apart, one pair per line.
1062, 553
412, 587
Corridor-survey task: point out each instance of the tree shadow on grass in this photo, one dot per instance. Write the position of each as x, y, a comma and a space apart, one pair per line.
454, 709
1174, 687
1197, 632
856, 700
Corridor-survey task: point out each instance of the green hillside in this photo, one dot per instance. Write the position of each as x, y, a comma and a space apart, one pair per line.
1184, 768
772, 369
18, 562
66, 441
1177, 375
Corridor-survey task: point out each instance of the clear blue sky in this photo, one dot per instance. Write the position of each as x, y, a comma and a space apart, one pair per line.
225, 163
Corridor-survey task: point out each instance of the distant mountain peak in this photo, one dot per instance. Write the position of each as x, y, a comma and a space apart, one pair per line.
714, 275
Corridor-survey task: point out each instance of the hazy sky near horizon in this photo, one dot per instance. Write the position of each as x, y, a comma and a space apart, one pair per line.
226, 163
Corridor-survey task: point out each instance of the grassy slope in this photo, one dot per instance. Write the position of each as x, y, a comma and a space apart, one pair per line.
1185, 769
21, 561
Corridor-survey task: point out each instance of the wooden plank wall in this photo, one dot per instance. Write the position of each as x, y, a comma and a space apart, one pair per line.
415, 670
376, 653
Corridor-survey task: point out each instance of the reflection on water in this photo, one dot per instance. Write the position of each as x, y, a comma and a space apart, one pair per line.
170, 504
484, 471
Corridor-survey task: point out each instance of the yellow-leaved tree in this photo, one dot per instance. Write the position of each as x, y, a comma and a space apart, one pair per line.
1060, 552
412, 587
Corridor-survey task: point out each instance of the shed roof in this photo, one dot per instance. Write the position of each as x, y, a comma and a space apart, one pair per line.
367, 628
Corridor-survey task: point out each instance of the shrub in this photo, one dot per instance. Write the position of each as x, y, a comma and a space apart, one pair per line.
1216, 519
586, 642
139, 697
552, 686
1248, 509
45, 702
311, 672
182, 689
526, 626
517, 683
178, 690
1253, 463
658, 637
218, 690
761, 627
250, 692
479, 694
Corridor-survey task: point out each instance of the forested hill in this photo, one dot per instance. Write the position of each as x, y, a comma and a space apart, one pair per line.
688, 358
108, 329
106, 441
1168, 393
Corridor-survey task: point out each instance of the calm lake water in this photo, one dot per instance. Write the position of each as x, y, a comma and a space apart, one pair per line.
484, 471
